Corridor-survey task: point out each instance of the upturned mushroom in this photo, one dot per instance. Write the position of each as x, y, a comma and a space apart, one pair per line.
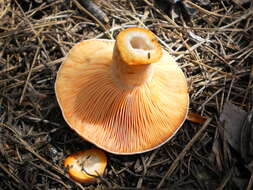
126, 96
85, 166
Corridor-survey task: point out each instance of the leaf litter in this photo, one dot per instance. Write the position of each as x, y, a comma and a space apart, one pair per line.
234, 118
216, 56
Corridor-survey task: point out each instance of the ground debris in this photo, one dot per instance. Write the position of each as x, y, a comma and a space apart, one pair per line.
94, 9
213, 46
233, 117
241, 2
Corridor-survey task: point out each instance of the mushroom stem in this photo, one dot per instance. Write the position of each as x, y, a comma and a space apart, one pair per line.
134, 52
130, 76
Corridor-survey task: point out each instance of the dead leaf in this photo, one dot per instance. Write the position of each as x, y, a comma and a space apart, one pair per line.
196, 118
240, 2
216, 149
247, 139
233, 118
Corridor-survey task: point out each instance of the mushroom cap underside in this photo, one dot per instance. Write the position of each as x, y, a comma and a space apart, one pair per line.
118, 120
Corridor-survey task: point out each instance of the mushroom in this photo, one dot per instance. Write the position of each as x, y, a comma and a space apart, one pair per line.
126, 96
85, 166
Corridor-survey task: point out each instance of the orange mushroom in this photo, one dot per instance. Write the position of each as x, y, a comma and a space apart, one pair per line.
84, 166
126, 96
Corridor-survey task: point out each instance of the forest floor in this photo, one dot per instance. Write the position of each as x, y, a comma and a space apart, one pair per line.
212, 41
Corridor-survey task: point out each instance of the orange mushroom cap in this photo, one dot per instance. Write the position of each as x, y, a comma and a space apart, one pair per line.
126, 96
85, 165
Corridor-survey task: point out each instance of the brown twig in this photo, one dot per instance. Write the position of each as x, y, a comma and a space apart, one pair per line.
29, 75
95, 10
183, 152
31, 150
79, 6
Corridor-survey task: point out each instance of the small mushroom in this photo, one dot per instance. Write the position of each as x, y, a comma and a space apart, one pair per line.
85, 166
126, 96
